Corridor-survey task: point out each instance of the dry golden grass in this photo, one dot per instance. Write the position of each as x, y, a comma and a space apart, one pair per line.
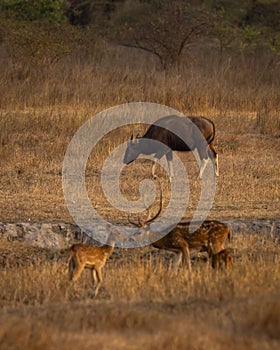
31, 184
143, 302
42, 107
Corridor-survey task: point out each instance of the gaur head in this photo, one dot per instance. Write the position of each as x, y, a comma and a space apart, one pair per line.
133, 150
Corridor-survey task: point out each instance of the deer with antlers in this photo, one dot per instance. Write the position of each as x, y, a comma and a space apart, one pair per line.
82, 256
211, 237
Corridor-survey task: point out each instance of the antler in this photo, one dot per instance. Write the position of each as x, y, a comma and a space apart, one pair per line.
149, 218
133, 222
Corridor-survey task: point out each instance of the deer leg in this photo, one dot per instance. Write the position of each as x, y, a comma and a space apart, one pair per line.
71, 267
187, 256
178, 259
99, 280
78, 270
72, 263
228, 260
93, 277
222, 259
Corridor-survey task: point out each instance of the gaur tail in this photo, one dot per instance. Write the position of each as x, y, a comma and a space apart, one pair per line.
211, 139
214, 131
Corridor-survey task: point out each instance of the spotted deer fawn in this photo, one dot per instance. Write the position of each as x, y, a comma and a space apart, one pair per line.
223, 257
82, 256
211, 237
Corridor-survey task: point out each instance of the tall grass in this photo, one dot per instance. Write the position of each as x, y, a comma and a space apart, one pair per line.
210, 83
43, 105
145, 274
145, 302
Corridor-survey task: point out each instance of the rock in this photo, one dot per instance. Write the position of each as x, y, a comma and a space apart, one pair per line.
62, 235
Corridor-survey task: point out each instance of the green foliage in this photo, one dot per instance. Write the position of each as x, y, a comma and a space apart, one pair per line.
247, 24
163, 28
251, 35
42, 42
274, 44
31, 10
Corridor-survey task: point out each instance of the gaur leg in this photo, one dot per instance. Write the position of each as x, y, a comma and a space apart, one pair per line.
215, 156
199, 155
158, 156
169, 158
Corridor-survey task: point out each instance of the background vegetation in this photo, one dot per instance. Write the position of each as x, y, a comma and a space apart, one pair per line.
63, 61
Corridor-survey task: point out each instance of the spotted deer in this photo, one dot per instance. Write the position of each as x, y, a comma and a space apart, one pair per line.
222, 258
211, 237
82, 256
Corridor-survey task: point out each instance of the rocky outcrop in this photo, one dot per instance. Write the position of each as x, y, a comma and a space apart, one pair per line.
47, 235
62, 235
270, 227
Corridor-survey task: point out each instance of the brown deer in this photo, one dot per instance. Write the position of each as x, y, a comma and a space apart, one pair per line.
210, 237
82, 256
222, 258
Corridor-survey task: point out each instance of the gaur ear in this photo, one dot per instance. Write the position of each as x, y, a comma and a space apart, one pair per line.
135, 142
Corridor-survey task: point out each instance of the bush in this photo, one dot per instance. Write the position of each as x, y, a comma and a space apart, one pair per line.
34, 9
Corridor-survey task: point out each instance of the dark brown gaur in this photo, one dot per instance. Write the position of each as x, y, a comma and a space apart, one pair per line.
191, 129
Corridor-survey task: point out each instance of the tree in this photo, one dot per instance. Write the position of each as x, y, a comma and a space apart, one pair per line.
90, 12
163, 28
247, 24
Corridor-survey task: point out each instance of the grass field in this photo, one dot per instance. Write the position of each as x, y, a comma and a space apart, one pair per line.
42, 108
143, 302
31, 183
